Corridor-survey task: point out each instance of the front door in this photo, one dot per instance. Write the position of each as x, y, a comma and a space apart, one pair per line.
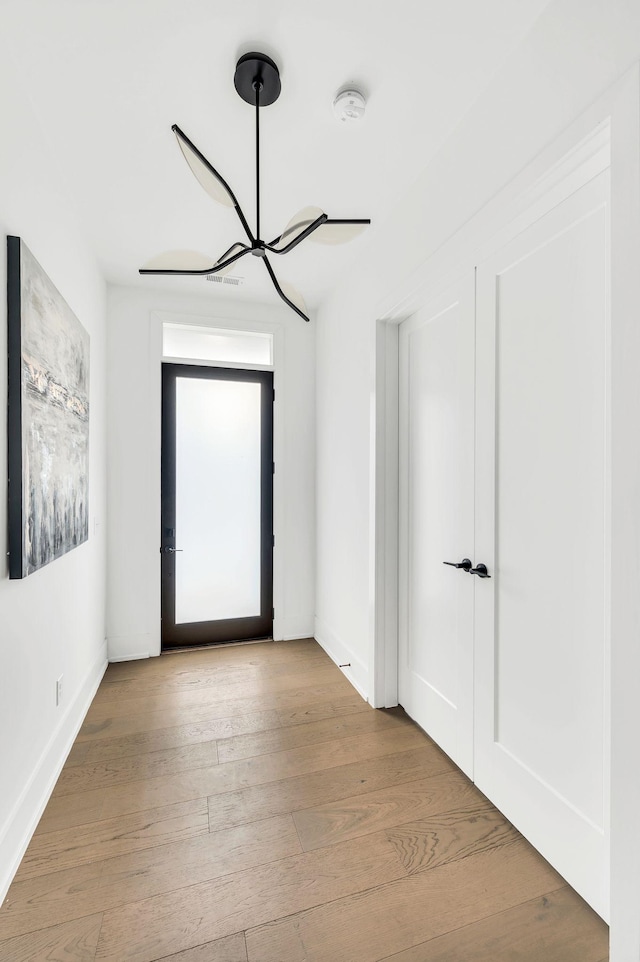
217, 505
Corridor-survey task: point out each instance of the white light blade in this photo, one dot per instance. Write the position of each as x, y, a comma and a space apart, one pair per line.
179, 261
294, 296
298, 223
232, 250
337, 233
204, 173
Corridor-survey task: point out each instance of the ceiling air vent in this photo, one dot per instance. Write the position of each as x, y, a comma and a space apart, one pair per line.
217, 279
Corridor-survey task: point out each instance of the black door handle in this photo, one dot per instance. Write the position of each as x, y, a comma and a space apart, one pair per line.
465, 563
480, 570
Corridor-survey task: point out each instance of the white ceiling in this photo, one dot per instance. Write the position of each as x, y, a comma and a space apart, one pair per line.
107, 78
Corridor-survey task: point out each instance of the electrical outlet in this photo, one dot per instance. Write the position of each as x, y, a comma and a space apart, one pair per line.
59, 690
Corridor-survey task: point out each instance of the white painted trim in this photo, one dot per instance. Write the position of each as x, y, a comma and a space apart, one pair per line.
135, 656
625, 521
221, 322
131, 647
340, 653
574, 158
294, 627
383, 670
28, 809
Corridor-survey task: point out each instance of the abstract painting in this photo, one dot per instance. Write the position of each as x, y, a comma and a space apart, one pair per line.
48, 418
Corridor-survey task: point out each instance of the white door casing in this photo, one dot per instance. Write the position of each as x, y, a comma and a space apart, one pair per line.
542, 528
436, 504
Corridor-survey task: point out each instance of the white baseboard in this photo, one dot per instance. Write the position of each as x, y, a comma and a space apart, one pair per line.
134, 657
135, 647
132, 647
341, 654
290, 628
29, 807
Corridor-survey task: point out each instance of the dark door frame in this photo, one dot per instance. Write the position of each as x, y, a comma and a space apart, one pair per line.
231, 629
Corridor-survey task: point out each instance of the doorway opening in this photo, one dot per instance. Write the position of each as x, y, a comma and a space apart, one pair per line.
217, 505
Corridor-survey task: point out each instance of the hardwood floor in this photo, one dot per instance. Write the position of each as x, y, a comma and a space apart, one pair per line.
244, 804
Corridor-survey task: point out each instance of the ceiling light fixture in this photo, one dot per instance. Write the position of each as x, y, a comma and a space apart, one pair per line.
257, 81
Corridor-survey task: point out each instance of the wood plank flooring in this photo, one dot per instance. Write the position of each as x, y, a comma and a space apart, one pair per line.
244, 804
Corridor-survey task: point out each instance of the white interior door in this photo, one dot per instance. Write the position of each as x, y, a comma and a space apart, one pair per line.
435, 670
542, 523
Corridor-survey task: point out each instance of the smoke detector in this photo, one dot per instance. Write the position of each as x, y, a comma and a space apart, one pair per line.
349, 106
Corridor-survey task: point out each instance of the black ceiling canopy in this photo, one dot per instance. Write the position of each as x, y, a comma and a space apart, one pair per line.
257, 81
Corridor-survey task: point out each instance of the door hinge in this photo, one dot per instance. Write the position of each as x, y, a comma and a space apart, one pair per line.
273, 467
273, 540
274, 394
273, 612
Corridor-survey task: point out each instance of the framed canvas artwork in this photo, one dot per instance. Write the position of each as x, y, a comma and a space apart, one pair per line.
48, 418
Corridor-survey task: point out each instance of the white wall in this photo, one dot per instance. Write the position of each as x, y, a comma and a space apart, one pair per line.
135, 319
574, 52
53, 622
577, 50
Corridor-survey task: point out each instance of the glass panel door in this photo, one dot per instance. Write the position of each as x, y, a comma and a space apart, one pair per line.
217, 477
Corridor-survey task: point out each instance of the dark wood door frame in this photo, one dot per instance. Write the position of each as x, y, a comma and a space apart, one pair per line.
230, 629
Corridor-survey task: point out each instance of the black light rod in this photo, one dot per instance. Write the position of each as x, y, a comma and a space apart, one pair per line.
207, 270
243, 221
347, 220
182, 136
258, 86
281, 292
318, 222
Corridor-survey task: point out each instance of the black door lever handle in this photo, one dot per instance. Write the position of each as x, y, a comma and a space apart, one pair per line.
480, 570
465, 563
